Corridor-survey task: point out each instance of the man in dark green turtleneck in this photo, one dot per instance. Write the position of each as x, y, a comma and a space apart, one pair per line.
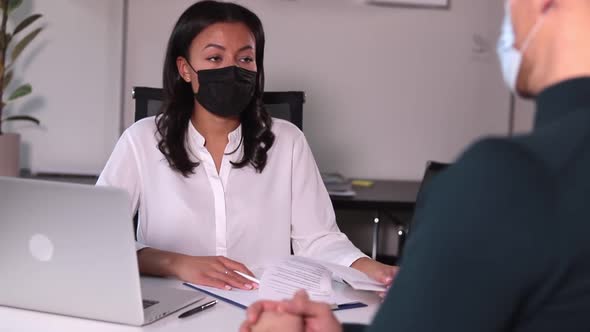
503, 240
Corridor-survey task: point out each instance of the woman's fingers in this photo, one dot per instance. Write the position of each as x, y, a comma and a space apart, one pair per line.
213, 282
233, 265
232, 279
384, 276
230, 266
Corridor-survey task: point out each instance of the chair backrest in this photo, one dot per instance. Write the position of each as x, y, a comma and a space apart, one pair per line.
433, 168
286, 105
283, 105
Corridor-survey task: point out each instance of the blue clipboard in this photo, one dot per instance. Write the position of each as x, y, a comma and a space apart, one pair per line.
239, 305
343, 306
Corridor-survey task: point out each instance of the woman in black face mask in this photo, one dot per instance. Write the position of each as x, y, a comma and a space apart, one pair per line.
214, 76
218, 184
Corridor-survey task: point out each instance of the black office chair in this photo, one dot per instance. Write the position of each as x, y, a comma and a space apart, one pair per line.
433, 168
283, 105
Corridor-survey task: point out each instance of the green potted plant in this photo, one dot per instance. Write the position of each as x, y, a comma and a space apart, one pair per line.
10, 50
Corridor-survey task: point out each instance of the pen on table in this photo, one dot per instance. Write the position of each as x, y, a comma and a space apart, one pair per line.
198, 309
247, 277
349, 305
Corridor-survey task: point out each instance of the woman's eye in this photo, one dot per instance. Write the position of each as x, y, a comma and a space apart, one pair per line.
247, 60
214, 58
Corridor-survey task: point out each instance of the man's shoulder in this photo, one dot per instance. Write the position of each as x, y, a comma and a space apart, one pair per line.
501, 158
496, 190
495, 176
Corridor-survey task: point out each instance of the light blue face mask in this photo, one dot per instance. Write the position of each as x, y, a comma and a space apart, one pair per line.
510, 57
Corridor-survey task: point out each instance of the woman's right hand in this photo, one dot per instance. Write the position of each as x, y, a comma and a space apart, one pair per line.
213, 271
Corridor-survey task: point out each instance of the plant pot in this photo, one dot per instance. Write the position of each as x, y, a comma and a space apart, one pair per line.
9, 155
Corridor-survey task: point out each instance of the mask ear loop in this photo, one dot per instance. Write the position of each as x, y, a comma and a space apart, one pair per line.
192, 68
189, 64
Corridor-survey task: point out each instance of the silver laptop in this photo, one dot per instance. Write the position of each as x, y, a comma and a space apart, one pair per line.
69, 249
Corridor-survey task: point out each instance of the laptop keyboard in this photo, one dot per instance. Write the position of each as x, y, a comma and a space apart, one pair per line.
148, 303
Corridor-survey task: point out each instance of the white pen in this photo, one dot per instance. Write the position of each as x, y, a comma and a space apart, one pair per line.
247, 277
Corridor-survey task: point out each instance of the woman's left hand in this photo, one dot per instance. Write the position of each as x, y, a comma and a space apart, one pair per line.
385, 274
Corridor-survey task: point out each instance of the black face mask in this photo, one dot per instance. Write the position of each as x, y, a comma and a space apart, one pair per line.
226, 91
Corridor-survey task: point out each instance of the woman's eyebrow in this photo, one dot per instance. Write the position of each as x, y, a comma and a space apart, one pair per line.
247, 47
215, 46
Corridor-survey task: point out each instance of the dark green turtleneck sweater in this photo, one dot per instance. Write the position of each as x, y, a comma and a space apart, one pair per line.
502, 242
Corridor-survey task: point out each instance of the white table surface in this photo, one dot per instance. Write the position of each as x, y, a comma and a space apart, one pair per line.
222, 317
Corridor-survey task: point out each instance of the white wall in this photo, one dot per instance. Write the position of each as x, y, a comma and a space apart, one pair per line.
74, 66
524, 116
387, 88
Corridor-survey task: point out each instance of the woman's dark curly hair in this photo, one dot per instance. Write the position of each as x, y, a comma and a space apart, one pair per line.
179, 100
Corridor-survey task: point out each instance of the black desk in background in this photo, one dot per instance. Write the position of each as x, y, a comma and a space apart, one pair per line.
58, 177
382, 198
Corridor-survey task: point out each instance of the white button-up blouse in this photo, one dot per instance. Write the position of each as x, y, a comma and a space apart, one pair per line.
247, 216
